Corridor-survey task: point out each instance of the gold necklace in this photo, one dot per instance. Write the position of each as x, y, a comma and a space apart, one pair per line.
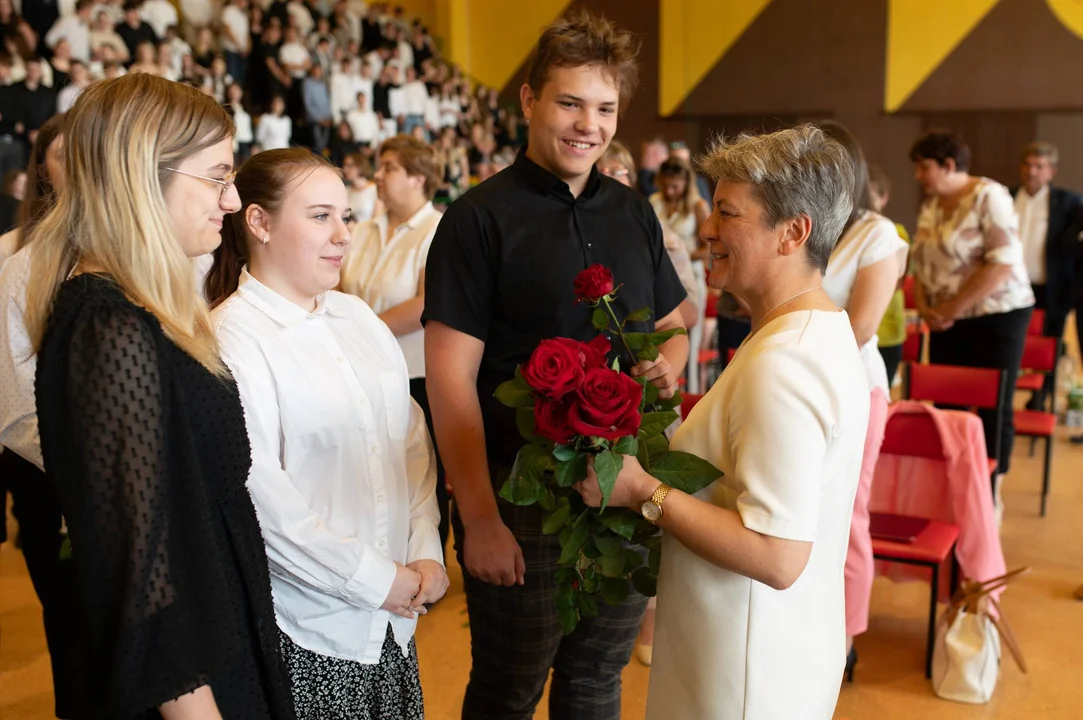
776, 307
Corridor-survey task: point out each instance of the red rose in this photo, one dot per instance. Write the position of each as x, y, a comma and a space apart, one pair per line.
606, 405
595, 352
593, 284
551, 421
555, 368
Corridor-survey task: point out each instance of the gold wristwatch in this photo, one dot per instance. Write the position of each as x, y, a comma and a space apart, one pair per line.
652, 509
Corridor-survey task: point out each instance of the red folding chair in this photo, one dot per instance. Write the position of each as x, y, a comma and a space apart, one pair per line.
916, 436
1040, 356
908, 293
961, 387
688, 401
914, 345
1032, 381
1037, 322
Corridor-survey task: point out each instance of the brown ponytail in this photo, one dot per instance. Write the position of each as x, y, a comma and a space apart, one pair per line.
264, 180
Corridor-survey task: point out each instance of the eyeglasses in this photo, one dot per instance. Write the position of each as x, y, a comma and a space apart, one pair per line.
225, 183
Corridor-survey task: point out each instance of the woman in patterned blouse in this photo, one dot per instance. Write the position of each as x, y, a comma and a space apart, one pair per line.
972, 288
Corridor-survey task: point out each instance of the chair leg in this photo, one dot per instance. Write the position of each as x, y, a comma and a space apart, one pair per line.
931, 639
1045, 471
954, 571
1033, 442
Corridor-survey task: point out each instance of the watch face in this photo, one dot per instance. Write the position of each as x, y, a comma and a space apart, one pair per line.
651, 511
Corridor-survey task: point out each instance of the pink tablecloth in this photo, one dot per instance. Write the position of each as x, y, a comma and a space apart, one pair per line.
955, 490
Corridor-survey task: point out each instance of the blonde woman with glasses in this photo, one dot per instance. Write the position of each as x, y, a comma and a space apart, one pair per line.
142, 429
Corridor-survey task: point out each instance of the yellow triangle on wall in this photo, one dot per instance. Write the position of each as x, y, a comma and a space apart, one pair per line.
490, 39
920, 35
693, 37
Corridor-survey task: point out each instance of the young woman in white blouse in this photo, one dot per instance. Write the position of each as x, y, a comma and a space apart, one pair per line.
385, 266
862, 273
343, 477
274, 129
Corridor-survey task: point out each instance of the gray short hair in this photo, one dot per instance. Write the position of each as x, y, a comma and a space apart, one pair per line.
1040, 149
800, 171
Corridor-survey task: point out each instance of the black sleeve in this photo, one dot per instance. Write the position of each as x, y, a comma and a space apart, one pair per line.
668, 290
460, 278
119, 498
1072, 241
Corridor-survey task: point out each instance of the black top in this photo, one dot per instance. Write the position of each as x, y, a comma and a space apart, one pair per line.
148, 454
503, 262
133, 36
35, 106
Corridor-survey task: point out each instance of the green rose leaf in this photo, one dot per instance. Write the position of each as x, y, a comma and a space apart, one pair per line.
655, 423
652, 450
670, 404
547, 499
648, 353
557, 520
627, 445
569, 550
65, 549
632, 560
662, 336
685, 471
590, 549
564, 597
609, 544
607, 466
636, 341
570, 472
645, 581
614, 590
600, 318
588, 606
515, 393
524, 487
640, 315
622, 522
564, 453
569, 620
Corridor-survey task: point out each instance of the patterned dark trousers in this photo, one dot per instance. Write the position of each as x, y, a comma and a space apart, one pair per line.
516, 638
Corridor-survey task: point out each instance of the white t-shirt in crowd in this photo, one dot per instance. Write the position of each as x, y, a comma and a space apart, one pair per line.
237, 21
1033, 212
274, 132
243, 122
364, 124
384, 267
198, 13
295, 54
159, 14
869, 240
786, 425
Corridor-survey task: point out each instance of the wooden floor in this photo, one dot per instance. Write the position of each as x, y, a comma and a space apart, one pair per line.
889, 684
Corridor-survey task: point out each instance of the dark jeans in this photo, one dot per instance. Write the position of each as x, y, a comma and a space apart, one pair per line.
892, 359
421, 397
237, 66
1054, 328
515, 638
990, 341
321, 137
38, 514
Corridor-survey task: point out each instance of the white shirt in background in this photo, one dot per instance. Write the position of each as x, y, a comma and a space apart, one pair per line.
301, 17
274, 132
364, 124
343, 475
159, 14
375, 62
362, 202
67, 97
237, 21
243, 122
384, 269
75, 31
1033, 212
406, 53
295, 54
869, 240
18, 363
115, 12
197, 13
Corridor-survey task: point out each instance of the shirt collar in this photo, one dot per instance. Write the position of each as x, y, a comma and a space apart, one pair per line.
1040, 195
545, 182
412, 224
282, 311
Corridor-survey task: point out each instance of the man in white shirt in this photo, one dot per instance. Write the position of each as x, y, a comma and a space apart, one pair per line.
75, 29
235, 38
363, 122
1046, 216
415, 97
80, 78
159, 14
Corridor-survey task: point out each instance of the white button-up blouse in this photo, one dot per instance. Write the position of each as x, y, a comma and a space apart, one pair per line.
343, 475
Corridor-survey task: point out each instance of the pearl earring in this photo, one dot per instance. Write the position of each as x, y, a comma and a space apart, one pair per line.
265, 238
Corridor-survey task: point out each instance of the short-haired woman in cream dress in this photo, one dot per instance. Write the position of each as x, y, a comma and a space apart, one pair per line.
751, 611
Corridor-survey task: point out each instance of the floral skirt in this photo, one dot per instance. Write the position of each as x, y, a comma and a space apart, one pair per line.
327, 688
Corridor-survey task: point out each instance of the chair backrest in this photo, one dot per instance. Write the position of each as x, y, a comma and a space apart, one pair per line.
730, 352
954, 385
913, 345
1040, 353
908, 293
1037, 322
688, 401
913, 435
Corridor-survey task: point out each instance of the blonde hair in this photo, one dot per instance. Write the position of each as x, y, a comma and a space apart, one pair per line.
111, 214
679, 167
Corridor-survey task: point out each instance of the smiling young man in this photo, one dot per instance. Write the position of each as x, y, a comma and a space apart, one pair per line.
499, 280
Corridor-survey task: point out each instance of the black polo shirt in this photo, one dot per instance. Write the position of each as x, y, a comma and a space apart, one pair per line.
504, 258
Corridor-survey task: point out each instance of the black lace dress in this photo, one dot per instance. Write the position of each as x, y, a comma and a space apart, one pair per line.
149, 456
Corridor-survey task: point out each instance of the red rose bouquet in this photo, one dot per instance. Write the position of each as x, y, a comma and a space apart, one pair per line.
571, 403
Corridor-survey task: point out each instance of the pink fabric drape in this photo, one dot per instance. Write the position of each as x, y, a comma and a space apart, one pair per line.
955, 490
860, 566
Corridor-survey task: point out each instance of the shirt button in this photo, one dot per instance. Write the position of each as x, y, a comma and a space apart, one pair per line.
374, 448
382, 544
380, 497
339, 358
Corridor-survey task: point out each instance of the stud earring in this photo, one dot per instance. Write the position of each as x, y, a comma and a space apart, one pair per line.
265, 238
